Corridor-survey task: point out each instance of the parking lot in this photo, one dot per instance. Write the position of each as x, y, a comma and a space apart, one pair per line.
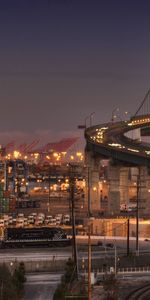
34, 219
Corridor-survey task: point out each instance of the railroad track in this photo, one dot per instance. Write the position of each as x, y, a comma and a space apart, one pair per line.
139, 293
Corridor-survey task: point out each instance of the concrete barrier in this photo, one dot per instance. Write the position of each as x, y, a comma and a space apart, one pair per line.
39, 266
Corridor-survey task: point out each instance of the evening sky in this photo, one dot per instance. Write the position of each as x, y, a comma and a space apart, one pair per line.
61, 60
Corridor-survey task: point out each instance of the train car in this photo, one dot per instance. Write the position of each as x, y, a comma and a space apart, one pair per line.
34, 237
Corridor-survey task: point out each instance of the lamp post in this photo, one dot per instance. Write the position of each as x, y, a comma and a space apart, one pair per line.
113, 116
128, 113
49, 188
89, 261
115, 260
84, 126
137, 212
91, 117
72, 186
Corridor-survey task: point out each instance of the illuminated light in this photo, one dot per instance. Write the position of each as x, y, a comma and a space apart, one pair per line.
104, 128
2, 180
78, 154
94, 188
9, 169
116, 145
47, 156
72, 157
148, 190
133, 150
25, 157
64, 153
16, 154
55, 154
147, 152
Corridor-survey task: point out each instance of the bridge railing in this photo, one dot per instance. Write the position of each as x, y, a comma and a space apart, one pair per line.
128, 270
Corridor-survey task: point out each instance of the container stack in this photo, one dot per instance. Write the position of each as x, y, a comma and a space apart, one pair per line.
12, 203
4, 200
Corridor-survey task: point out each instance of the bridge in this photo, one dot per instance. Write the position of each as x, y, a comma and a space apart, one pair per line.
126, 153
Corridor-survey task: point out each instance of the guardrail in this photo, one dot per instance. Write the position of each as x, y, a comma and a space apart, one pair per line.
129, 270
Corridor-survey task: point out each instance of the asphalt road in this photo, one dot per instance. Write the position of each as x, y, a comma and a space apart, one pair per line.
41, 286
26, 254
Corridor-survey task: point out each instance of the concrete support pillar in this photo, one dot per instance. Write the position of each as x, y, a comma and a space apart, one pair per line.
144, 189
124, 186
144, 192
92, 194
114, 190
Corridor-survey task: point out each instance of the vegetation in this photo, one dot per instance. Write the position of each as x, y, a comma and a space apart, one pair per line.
110, 285
12, 282
69, 285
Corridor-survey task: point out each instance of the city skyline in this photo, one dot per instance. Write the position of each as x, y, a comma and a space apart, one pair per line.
62, 60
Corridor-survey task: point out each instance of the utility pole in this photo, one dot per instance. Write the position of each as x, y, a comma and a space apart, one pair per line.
49, 187
89, 234
72, 185
128, 234
89, 261
115, 261
137, 211
88, 191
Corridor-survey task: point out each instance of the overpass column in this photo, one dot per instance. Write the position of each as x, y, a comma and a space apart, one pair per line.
92, 194
124, 186
144, 194
114, 190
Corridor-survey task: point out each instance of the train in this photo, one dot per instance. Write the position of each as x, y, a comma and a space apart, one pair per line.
35, 237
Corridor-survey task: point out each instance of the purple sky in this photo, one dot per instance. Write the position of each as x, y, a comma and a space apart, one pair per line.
62, 60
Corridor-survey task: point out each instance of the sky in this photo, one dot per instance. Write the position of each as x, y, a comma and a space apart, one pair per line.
61, 60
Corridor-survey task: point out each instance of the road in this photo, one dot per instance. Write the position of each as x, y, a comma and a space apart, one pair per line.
34, 254
41, 286
42, 254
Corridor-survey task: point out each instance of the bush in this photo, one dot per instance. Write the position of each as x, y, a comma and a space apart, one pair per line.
11, 285
69, 284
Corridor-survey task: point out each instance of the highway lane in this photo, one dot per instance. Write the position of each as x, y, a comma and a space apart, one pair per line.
109, 139
34, 254
41, 254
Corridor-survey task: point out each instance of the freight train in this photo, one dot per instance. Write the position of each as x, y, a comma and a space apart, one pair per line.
34, 237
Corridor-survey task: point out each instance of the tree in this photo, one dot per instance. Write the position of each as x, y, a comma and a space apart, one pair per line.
110, 285
69, 285
7, 289
19, 278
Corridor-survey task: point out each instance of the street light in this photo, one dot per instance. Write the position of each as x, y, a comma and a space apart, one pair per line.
91, 116
137, 210
84, 126
113, 116
72, 169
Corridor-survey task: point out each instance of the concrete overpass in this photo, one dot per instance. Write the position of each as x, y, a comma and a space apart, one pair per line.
110, 141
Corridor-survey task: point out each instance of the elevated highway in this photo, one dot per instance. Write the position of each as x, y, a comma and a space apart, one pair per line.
109, 140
